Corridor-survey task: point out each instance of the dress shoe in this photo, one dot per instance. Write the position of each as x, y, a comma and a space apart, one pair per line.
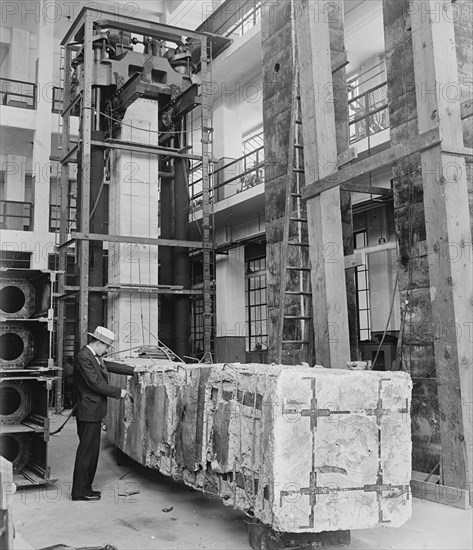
98, 493
87, 497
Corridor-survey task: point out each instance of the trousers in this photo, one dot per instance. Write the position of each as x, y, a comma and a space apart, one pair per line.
87, 457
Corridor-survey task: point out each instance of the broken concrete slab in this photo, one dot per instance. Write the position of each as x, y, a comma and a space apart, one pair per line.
301, 449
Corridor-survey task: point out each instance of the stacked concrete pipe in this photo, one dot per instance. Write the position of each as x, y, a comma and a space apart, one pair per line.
17, 301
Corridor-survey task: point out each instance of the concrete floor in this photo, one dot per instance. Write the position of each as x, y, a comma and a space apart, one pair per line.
45, 516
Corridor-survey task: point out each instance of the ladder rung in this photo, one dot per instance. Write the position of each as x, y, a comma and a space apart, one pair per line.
297, 317
296, 195
294, 243
298, 170
298, 293
298, 268
297, 146
298, 121
301, 220
295, 341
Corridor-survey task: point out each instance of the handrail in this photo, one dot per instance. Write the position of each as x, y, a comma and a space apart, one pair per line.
258, 164
361, 76
371, 90
362, 123
19, 81
9, 93
234, 14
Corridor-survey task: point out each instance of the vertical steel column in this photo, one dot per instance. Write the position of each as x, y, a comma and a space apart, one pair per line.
96, 225
85, 137
166, 267
207, 208
64, 210
181, 262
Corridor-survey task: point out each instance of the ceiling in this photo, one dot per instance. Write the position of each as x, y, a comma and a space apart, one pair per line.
364, 32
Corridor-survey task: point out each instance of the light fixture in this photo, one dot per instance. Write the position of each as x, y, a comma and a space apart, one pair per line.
381, 240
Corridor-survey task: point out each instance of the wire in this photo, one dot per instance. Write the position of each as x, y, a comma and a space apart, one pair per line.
131, 125
65, 422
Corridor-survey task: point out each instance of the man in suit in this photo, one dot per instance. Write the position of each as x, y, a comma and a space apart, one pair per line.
91, 389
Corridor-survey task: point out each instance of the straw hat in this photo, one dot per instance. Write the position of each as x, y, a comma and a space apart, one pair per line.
104, 335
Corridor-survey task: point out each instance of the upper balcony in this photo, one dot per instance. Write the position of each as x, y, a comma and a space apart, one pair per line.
17, 93
233, 18
237, 183
18, 103
368, 115
16, 216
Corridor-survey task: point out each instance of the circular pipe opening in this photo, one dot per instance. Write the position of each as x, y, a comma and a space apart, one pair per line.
12, 299
10, 400
11, 346
9, 447
277, 67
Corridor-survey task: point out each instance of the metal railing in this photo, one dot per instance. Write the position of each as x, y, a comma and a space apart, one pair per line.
233, 17
58, 98
368, 113
17, 93
55, 216
16, 215
238, 175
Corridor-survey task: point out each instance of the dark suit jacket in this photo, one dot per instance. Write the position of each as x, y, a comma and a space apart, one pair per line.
91, 387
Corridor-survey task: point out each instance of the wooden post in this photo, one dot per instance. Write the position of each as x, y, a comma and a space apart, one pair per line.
448, 233
7, 488
332, 348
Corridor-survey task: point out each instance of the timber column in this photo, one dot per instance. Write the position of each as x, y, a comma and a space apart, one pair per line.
434, 229
332, 344
448, 231
278, 39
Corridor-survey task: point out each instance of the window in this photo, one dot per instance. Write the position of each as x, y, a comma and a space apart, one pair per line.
71, 273
14, 259
363, 291
256, 305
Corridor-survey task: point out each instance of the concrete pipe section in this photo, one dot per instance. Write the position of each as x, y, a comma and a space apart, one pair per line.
15, 448
15, 401
16, 346
17, 298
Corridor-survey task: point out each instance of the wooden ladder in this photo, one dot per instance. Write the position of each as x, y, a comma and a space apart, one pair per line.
295, 312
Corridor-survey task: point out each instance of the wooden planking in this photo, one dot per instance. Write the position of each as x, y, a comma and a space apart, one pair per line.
447, 222
385, 158
84, 188
7, 488
365, 188
135, 240
332, 346
442, 494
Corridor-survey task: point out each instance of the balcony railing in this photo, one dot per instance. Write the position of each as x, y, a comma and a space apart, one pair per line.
233, 17
55, 216
16, 93
230, 179
368, 113
16, 215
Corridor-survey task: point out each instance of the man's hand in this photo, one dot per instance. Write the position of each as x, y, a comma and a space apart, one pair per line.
141, 368
125, 393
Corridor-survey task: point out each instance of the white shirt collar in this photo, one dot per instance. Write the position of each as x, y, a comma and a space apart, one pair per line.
91, 350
